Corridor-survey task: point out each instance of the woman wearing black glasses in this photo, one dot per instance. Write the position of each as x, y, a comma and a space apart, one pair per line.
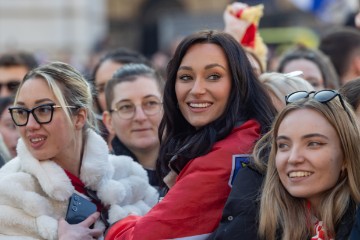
312, 180
59, 154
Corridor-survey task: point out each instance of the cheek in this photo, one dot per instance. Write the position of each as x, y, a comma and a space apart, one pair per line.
280, 164
155, 120
179, 92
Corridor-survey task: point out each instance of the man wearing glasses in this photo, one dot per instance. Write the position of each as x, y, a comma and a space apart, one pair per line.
13, 67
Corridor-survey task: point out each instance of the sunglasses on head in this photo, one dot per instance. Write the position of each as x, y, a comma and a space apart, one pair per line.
322, 96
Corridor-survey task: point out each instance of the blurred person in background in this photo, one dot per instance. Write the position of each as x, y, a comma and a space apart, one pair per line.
316, 67
7, 127
241, 22
342, 46
134, 111
351, 92
13, 67
103, 72
279, 85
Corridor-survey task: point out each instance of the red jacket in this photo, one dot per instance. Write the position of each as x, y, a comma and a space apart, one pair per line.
193, 206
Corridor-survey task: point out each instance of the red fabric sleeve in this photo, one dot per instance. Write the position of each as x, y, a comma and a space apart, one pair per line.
193, 207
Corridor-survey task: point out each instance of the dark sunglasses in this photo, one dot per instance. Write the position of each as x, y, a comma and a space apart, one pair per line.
11, 86
322, 96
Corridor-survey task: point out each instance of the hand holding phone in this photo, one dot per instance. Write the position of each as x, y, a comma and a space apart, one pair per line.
79, 231
79, 209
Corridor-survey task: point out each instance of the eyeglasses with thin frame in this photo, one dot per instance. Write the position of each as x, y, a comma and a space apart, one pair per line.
11, 85
43, 114
126, 110
322, 96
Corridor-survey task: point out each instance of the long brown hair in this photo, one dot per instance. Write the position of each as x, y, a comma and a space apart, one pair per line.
281, 211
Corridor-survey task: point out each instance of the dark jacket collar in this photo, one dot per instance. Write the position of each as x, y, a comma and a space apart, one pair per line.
120, 149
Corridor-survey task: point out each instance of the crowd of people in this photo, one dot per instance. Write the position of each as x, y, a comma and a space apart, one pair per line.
217, 147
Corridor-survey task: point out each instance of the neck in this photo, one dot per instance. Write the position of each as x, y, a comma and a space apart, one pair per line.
72, 160
314, 206
147, 158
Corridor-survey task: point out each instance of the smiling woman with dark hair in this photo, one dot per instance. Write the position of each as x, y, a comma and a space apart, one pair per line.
214, 111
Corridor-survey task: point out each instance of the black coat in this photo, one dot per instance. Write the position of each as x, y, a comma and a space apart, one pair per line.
240, 214
120, 149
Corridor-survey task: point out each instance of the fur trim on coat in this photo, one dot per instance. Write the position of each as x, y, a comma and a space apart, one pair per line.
35, 194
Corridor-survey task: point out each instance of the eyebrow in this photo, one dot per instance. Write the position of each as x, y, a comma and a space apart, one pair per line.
303, 137
214, 65
209, 66
37, 101
128, 100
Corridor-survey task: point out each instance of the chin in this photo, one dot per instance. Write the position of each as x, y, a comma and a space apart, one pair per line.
146, 143
41, 156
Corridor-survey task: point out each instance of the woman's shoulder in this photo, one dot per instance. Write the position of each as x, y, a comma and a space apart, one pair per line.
242, 137
10, 167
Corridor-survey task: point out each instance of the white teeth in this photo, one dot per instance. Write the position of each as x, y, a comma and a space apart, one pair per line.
199, 105
299, 174
35, 140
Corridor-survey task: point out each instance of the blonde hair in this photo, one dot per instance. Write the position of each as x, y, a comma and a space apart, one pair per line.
69, 87
282, 84
278, 209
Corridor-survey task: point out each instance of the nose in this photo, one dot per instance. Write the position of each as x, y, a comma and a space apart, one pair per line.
32, 124
139, 114
296, 156
4, 92
199, 87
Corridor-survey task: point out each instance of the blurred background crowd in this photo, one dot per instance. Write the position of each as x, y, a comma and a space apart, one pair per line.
78, 32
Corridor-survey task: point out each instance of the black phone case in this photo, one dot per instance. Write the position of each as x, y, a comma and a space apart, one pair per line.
79, 209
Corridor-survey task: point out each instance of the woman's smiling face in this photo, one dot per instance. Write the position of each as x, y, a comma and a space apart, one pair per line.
309, 156
203, 84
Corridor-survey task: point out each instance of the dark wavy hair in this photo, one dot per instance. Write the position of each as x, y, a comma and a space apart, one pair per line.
180, 141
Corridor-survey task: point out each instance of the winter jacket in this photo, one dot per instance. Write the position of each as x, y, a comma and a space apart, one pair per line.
240, 214
192, 208
35, 194
120, 149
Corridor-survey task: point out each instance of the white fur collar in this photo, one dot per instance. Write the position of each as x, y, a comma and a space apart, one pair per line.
53, 179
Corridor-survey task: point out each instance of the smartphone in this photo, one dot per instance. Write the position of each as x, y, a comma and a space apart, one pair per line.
79, 209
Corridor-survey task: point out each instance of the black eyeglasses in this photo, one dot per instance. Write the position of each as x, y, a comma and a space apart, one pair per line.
322, 96
11, 86
42, 114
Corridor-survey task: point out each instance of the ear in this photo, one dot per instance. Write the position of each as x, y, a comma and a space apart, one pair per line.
107, 120
357, 65
80, 118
